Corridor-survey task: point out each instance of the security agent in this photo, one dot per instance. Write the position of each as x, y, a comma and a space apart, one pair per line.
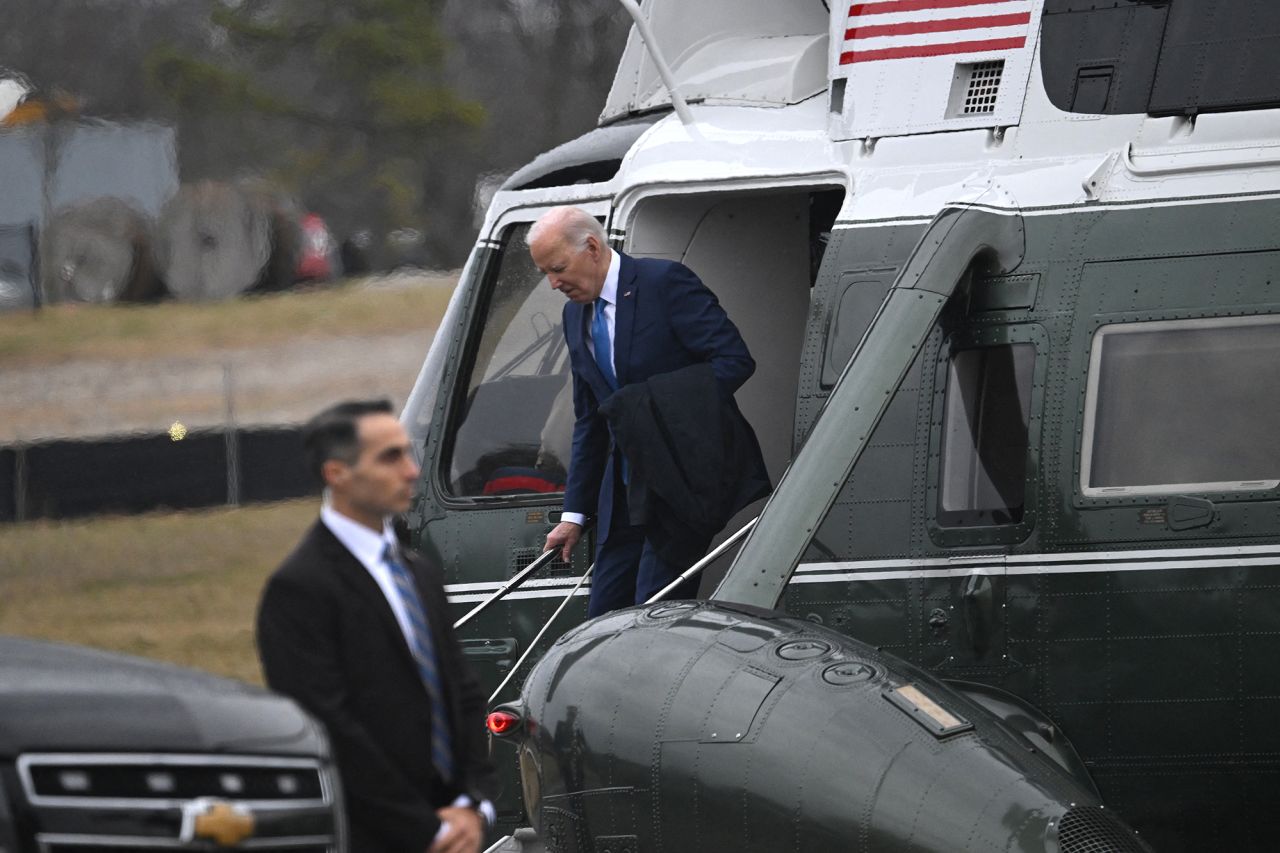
356, 630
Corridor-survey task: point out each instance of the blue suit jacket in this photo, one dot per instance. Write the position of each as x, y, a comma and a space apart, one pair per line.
665, 319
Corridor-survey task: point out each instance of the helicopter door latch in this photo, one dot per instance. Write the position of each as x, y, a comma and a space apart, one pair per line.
1185, 513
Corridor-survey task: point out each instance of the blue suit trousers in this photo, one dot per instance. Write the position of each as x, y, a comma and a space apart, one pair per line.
628, 570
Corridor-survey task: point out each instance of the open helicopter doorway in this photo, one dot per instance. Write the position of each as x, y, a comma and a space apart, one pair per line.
759, 252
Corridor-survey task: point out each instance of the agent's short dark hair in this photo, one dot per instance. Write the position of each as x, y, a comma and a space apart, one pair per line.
334, 434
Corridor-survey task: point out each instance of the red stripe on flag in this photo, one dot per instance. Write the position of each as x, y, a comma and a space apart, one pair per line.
942, 26
852, 56
887, 6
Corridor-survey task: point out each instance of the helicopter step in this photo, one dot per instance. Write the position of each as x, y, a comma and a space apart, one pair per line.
523, 840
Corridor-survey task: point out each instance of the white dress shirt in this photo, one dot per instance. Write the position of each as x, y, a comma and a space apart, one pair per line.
608, 293
368, 548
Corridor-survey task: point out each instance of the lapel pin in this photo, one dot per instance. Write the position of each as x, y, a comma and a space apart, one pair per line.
628, 293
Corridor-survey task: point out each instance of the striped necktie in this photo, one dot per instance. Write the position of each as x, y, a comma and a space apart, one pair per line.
424, 655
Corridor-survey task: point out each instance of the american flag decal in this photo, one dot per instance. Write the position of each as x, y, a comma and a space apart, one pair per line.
906, 29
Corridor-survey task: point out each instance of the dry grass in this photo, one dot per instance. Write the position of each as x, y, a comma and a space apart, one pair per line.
63, 332
179, 587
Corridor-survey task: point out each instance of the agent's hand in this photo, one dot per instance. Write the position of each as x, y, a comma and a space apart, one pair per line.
466, 831
563, 536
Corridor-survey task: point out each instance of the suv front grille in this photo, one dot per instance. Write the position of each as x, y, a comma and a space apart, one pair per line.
77, 778
95, 803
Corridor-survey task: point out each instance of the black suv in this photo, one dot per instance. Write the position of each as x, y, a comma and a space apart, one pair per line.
102, 752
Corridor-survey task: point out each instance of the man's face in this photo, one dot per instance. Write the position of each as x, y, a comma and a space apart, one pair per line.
381, 481
574, 272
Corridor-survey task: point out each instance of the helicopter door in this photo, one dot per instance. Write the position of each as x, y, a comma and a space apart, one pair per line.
495, 477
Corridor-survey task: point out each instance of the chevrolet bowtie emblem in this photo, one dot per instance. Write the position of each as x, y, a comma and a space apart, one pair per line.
223, 823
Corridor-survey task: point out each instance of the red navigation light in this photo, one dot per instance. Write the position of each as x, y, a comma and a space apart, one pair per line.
502, 723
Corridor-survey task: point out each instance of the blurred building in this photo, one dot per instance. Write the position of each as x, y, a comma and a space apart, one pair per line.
51, 159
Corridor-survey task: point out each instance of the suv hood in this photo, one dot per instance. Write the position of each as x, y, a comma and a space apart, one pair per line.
63, 698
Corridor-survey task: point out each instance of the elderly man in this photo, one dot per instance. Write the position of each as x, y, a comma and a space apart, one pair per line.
630, 320
357, 631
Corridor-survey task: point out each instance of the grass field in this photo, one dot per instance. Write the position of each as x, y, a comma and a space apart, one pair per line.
180, 587
68, 331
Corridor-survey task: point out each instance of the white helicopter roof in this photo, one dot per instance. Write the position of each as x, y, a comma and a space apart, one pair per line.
762, 52
912, 99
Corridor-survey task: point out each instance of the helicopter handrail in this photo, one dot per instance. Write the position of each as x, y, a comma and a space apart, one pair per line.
533, 644
510, 586
697, 567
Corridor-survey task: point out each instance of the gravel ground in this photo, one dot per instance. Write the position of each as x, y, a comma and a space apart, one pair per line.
277, 384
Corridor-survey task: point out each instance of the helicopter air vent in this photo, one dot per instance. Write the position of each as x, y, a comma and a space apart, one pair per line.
522, 557
974, 89
1091, 829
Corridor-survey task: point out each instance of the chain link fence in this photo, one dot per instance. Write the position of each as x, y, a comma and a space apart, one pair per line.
84, 438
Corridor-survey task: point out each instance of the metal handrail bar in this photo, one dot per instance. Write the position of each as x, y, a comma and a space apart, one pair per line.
515, 582
500, 593
704, 562
533, 644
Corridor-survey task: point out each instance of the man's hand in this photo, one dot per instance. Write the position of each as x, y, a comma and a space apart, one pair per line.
564, 536
465, 834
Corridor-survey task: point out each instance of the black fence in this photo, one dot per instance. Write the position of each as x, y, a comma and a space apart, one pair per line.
67, 479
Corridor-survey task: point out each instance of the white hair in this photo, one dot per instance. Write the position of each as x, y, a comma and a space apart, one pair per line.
573, 224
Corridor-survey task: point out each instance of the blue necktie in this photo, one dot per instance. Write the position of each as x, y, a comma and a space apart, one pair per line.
603, 347
424, 655
604, 358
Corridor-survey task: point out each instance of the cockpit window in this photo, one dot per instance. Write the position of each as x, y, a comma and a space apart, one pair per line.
1183, 405
514, 422
986, 433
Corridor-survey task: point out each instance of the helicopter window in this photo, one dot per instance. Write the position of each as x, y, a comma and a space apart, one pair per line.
986, 435
1175, 406
513, 431
860, 299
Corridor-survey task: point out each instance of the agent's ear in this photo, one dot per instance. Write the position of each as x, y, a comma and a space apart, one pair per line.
335, 473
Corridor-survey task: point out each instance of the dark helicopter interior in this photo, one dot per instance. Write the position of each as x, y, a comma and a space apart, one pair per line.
754, 251
759, 252
512, 432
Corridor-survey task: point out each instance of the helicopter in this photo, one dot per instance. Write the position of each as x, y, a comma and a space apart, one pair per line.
1007, 272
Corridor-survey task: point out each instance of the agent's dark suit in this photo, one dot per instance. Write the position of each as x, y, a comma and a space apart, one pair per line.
328, 639
665, 319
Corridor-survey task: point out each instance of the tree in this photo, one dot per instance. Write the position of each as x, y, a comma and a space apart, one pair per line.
354, 86
366, 110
